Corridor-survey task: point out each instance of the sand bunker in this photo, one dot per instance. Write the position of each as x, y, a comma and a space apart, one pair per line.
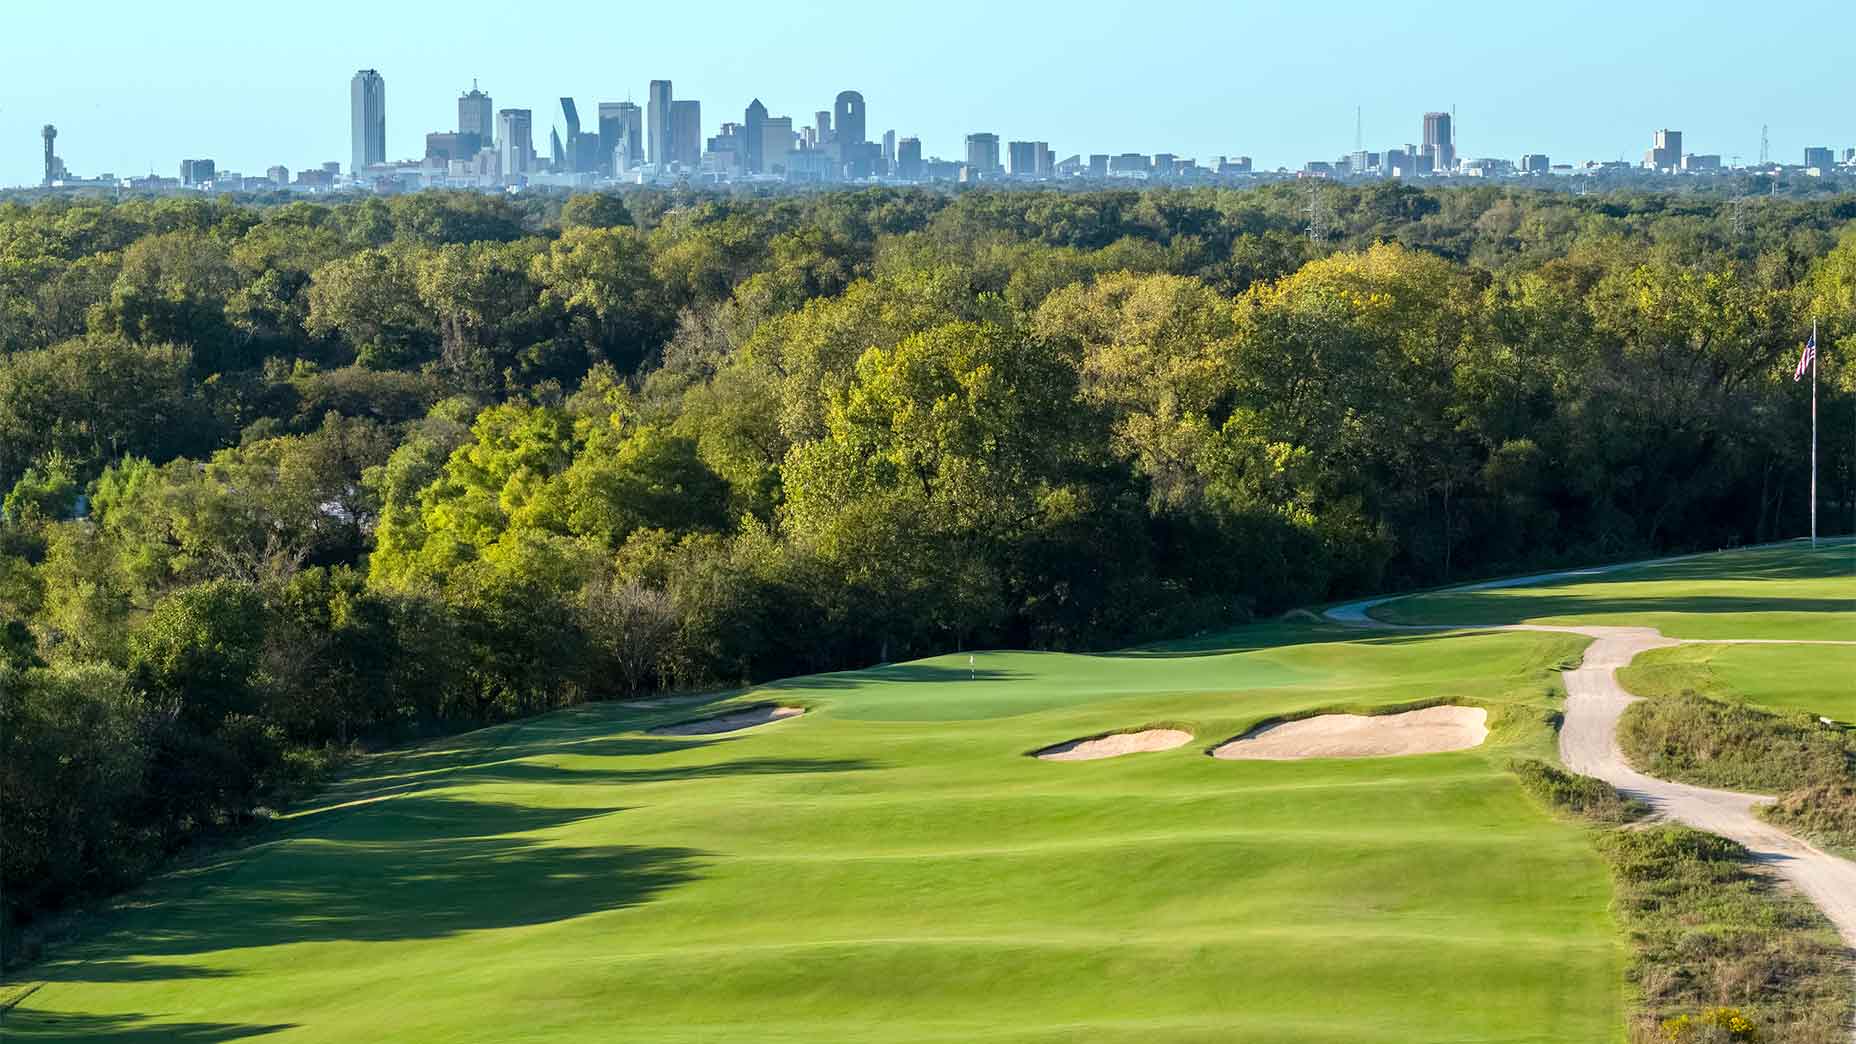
735, 722
1114, 746
1428, 731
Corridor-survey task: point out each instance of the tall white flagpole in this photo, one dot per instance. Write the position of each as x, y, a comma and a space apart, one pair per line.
1815, 352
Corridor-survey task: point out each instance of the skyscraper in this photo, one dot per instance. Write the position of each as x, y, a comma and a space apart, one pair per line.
983, 153
515, 139
476, 116
889, 149
1665, 151
686, 133
621, 125
1820, 157
753, 133
822, 120
657, 112
1021, 158
848, 121
368, 107
776, 145
909, 158
1440, 141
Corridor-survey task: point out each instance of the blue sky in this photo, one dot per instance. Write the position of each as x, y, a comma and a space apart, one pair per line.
133, 84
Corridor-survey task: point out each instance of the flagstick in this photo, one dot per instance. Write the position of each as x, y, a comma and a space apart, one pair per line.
1814, 355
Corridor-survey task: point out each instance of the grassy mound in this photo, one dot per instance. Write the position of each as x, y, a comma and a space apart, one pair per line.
888, 868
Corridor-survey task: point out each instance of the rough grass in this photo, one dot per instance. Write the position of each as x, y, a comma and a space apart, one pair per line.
1575, 795
1706, 931
890, 868
1694, 739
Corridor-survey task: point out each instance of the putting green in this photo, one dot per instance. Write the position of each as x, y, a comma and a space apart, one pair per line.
1819, 679
1786, 592
890, 866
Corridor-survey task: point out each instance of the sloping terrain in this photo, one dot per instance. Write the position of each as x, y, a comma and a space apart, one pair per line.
891, 866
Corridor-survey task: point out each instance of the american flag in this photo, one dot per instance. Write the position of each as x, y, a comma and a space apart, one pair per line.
1805, 360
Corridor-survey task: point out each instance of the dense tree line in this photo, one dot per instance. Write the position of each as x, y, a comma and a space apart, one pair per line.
282, 479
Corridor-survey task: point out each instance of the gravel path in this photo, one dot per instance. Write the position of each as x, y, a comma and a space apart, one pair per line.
1589, 745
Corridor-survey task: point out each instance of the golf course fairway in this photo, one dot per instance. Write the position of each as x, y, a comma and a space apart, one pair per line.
892, 866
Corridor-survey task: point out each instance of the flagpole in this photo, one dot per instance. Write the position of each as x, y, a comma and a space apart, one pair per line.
1814, 356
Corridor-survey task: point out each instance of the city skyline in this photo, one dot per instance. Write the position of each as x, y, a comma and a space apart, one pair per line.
1100, 83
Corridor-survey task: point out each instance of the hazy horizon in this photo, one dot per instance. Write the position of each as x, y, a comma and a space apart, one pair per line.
1201, 80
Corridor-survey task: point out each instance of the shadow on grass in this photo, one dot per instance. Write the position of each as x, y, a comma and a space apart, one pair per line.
1476, 607
412, 868
53, 1026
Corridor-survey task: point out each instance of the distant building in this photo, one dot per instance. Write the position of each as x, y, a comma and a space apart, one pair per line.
1705, 164
1046, 161
889, 149
476, 116
196, 172
1535, 163
1665, 151
776, 144
983, 153
1440, 141
754, 137
54, 167
442, 147
848, 119
1021, 159
279, 175
1821, 158
621, 136
821, 121
368, 109
515, 142
657, 115
1130, 164
909, 159
1098, 164
686, 133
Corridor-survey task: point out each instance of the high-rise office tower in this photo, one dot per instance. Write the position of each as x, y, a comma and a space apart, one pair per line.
1021, 158
476, 116
776, 145
621, 125
197, 171
686, 133
983, 153
822, 120
753, 134
368, 107
848, 120
1819, 157
889, 149
909, 158
515, 140
1665, 151
1440, 141
50, 134
618, 127
571, 114
657, 112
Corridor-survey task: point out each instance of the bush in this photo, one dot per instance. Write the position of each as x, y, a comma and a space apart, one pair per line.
1582, 796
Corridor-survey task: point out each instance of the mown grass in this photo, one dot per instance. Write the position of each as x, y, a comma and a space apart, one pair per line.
1819, 680
1705, 930
1787, 592
891, 867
